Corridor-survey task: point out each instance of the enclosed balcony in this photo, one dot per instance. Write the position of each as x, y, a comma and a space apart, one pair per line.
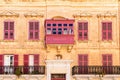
59, 31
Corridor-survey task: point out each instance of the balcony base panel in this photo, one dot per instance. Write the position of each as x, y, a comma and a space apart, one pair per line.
96, 77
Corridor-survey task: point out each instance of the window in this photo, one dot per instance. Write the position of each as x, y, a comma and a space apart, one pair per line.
54, 24
107, 59
64, 24
48, 24
59, 25
8, 30
54, 31
70, 24
106, 30
83, 59
33, 30
83, 30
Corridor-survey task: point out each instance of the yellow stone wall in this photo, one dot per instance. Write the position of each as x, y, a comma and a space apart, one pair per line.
94, 46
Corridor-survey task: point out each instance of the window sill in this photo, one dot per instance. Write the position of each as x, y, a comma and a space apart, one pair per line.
7, 40
106, 41
83, 41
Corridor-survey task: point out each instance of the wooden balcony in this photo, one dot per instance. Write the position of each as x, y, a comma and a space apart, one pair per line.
78, 70
38, 70
59, 39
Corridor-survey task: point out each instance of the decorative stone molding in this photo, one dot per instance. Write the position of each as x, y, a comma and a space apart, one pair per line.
8, 77
8, 14
32, 77
58, 67
33, 14
82, 14
106, 14
96, 77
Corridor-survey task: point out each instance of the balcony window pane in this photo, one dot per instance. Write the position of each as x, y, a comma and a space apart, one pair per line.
48, 30
54, 31
65, 31
59, 31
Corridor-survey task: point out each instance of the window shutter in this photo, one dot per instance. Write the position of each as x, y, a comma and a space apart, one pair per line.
26, 57
11, 26
5, 25
1, 59
36, 25
36, 59
15, 60
30, 25
109, 60
36, 35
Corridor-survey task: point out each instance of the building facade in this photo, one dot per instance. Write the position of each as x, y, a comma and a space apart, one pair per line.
59, 39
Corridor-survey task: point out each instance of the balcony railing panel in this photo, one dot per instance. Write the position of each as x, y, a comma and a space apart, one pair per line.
22, 69
59, 39
95, 70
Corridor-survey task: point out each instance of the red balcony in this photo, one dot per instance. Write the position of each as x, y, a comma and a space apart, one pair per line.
59, 39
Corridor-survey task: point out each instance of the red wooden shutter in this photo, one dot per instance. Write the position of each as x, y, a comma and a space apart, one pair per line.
110, 31
85, 60
5, 30
26, 59
104, 33
11, 30
85, 31
36, 59
1, 59
31, 28
104, 60
109, 60
15, 60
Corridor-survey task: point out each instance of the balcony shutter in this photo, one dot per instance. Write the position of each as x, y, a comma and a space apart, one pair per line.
109, 60
1, 59
15, 60
26, 60
36, 59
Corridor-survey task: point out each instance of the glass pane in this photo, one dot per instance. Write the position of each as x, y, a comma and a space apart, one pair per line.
70, 24
65, 24
59, 31
48, 30
59, 25
54, 24
48, 24
65, 31
54, 31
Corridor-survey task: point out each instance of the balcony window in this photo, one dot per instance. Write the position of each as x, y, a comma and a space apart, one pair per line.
59, 31
48, 30
48, 24
65, 31
54, 31
64, 24
54, 25
70, 24
59, 25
